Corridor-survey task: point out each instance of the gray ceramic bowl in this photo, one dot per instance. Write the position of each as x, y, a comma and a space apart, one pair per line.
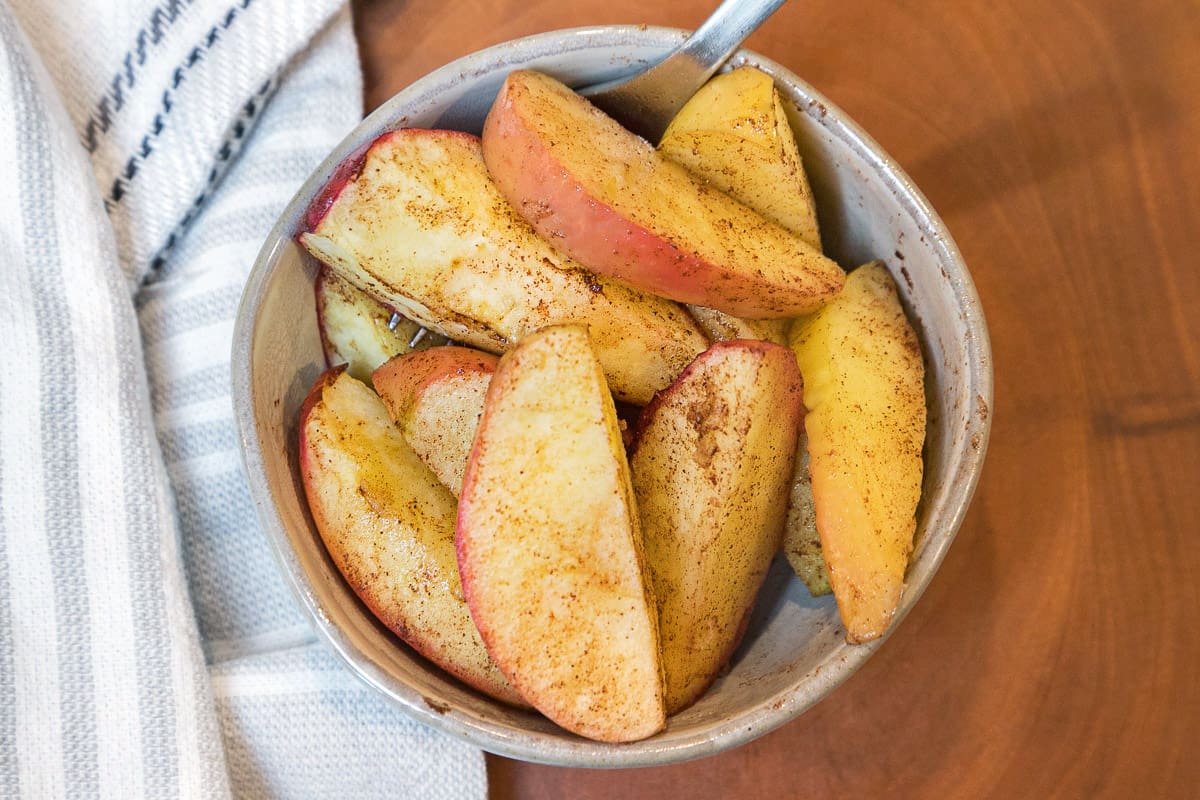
793, 654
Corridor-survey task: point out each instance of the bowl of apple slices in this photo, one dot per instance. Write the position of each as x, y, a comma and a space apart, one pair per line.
602, 453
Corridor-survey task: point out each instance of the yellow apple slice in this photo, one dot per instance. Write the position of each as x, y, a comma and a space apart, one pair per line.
421, 226
388, 525
549, 544
712, 462
864, 390
435, 397
721, 327
357, 330
801, 541
735, 134
611, 201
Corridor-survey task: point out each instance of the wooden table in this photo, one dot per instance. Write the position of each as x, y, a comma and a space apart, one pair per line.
1055, 653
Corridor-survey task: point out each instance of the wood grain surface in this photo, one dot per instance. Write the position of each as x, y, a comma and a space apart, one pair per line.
1055, 653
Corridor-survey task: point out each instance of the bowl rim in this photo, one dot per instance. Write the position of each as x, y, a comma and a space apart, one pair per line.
556, 748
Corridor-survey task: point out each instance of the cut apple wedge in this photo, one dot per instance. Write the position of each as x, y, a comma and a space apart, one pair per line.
734, 133
435, 397
864, 390
357, 330
801, 541
421, 227
608, 199
721, 327
549, 544
388, 525
712, 462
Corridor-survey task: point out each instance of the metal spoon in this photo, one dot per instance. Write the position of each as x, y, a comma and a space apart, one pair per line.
646, 103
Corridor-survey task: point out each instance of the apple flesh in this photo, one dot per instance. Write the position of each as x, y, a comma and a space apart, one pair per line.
435, 397
864, 391
388, 525
421, 227
549, 544
357, 329
734, 133
609, 200
712, 463
721, 327
801, 541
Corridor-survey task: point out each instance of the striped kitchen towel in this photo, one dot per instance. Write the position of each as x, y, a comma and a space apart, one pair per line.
148, 647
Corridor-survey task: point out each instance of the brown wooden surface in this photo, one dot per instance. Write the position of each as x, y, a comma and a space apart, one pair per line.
1055, 654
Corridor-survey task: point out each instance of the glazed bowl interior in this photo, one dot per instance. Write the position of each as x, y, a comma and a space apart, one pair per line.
794, 652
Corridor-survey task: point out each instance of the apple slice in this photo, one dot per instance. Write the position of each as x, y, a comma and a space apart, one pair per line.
864, 389
421, 227
721, 327
435, 396
734, 133
712, 463
388, 525
801, 541
549, 545
356, 329
607, 198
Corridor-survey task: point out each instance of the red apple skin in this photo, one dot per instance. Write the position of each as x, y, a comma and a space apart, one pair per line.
547, 193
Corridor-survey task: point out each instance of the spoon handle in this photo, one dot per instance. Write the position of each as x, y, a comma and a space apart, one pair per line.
722, 33
647, 102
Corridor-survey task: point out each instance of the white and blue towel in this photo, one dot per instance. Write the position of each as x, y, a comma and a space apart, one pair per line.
148, 647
